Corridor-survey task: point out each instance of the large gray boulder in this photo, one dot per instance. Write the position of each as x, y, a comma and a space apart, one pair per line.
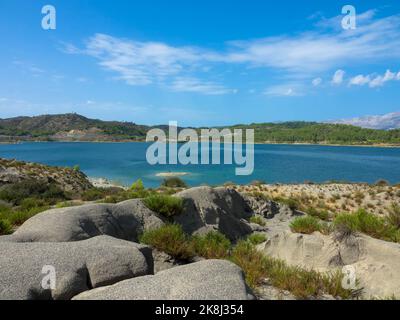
221, 209
205, 280
78, 266
126, 220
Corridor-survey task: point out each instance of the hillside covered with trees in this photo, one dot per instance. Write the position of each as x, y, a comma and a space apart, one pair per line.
74, 127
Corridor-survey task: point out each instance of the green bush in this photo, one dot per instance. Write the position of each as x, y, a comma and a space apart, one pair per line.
5, 227
367, 223
170, 239
257, 238
31, 203
293, 204
165, 205
320, 214
173, 182
18, 217
382, 183
258, 220
213, 245
394, 215
251, 261
306, 225
17, 192
138, 186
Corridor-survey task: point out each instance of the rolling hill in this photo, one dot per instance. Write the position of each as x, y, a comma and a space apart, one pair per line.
74, 127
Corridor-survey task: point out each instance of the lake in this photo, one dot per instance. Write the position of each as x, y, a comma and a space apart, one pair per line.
126, 162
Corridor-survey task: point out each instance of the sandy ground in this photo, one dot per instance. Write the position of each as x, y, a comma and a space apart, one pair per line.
335, 198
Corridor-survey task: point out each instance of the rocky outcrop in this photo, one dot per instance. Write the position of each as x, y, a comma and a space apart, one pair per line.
78, 266
205, 280
221, 209
70, 180
376, 263
126, 220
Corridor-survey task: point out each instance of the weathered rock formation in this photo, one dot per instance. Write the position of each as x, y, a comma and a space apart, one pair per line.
78, 266
205, 280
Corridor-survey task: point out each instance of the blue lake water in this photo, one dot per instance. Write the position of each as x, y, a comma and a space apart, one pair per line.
126, 162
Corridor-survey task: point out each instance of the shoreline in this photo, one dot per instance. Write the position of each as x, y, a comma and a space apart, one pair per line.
380, 145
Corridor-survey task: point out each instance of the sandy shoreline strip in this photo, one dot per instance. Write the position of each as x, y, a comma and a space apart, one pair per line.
171, 174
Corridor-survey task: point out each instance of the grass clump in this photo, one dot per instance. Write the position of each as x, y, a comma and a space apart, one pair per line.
301, 282
252, 262
256, 238
170, 239
173, 182
394, 215
306, 225
258, 220
5, 227
213, 245
368, 223
293, 204
320, 214
257, 267
165, 205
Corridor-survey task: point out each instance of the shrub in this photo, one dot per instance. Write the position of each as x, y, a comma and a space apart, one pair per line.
67, 204
138, 186
170, 239
5, 227
173, 182
18, 217
305, 225
258, 220
258, 183
213, 245
382, 183
17, 192
394, 215
252, 262
293, 204
76, 168
306, 283
367, 223
30, 203
320, 214
165, 205
256, 238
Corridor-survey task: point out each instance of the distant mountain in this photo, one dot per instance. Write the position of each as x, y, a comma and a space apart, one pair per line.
69, 127
384, 122
74, 127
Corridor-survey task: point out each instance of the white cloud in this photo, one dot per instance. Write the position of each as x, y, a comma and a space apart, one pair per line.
398, 76
141, 63
296, 56
359, 80
338, 77
316, 82
182, 84
286, 90
379, 81
374, 80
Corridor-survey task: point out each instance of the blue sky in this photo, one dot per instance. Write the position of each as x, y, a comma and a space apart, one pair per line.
200, 62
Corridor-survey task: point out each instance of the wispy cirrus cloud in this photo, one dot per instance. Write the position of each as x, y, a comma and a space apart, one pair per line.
285, 90
298, 57
184, 84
